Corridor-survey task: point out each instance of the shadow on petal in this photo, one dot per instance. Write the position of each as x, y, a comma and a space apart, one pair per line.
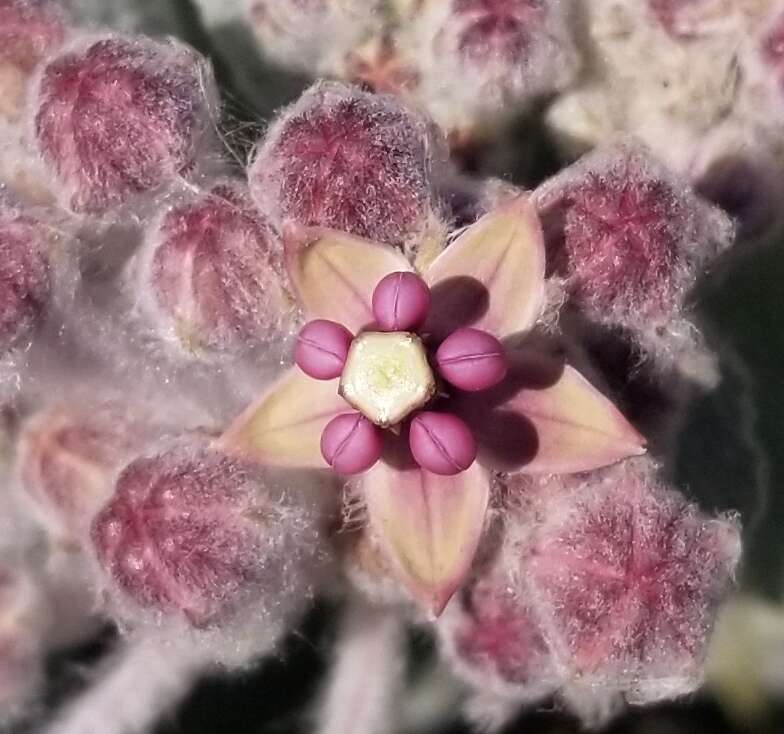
507, 440
547, 418
397, 454
504, 252
456, 303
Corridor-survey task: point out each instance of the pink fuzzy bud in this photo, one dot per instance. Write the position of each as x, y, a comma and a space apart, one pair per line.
25, 278
628, 236
351, 444
483, 58
401, 302
120, 116
212, 274
66, 461
29, 30
674, 16
194, 534
472, 360
492, 637
441, 443
626, 577
349, 160
322, 348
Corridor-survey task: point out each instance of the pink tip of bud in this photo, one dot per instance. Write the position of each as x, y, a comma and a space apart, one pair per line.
773, 46
401, 302
497, 29
67, 456
472, 360
442, 443
351, 444
322, 348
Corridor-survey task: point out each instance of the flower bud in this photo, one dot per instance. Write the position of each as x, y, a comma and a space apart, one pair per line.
482, 58
626, 577
25, 278
493, 640
193, 535
29, 30
628, 237
210, 275
67, 459
349, 160
604, 586
118, 116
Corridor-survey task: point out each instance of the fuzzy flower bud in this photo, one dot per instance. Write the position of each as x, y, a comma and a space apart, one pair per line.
490, 57
626, 576
628, 237
67, 459
493, 640
192, 534
349, 160
117, 116
25, 279
29, 30
210, 276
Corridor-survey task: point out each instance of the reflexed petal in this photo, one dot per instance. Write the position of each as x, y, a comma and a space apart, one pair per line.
492, 276
428, 526
547, 418
334, 273
283, 428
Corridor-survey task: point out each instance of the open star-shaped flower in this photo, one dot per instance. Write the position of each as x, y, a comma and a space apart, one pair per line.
423, 383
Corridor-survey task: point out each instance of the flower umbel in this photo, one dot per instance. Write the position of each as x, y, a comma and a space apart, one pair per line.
499, 405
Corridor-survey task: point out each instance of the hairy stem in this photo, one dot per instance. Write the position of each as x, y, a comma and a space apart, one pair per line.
136, 687
366, 675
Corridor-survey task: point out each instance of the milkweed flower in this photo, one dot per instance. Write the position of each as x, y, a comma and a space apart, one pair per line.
425, 408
